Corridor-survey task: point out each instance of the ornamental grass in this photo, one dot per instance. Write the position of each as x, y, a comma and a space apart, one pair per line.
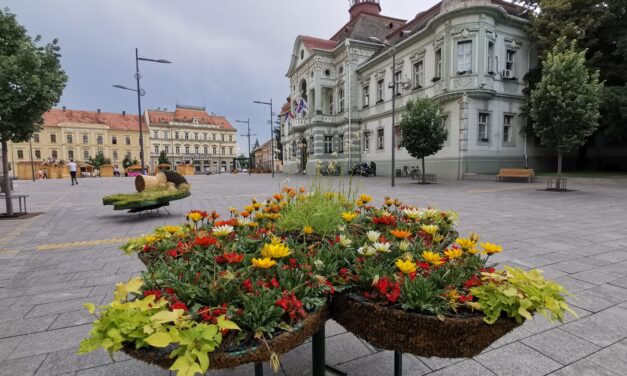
233, 284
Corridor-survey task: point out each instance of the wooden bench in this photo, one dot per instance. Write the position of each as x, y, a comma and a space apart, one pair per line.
525, 173
21, 199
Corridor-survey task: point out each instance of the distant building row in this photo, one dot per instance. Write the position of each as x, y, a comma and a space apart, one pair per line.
187, 135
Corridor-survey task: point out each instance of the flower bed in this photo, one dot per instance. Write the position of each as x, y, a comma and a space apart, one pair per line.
218, 293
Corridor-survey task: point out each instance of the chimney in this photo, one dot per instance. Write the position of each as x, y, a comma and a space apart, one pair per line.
98, 110
63, 108
123, 113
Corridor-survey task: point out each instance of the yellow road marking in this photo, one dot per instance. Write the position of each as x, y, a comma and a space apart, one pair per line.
84, 243
7, 252
501, 189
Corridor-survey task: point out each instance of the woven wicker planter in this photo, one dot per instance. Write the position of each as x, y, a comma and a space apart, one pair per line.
418, 334
280, 344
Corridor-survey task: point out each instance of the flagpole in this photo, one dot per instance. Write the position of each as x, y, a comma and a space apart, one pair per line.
348, 73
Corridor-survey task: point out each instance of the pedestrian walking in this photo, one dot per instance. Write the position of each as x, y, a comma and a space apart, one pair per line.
72, 167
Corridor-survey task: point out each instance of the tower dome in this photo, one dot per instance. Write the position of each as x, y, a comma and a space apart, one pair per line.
364, 6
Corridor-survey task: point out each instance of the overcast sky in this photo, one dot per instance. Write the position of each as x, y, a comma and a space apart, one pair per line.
224, 54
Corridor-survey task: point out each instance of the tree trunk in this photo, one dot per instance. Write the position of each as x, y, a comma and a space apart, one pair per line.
5, 178
559, 170
423, 171
143, 182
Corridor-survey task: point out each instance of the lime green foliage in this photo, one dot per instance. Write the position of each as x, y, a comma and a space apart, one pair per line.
148, 322
146, 198
321, 211
518, 293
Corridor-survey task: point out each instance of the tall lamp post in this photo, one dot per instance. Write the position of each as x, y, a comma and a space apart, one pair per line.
271, 132
393, 84
140, 93
247, 122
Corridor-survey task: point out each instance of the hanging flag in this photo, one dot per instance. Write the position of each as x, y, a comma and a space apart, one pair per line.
302, 106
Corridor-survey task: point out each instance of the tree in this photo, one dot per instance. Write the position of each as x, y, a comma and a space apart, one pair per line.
99, 161
31, 82
126, 162
163, 158
277, 143
422, 129
565, 103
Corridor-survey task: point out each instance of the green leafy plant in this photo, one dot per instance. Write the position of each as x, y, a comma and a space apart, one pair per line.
319, 211
517, 293
146, 198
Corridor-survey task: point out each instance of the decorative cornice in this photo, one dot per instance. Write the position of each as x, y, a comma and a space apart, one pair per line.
418, 55
512, 43
464, 33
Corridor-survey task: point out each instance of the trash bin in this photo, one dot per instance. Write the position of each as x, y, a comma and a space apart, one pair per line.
398, 173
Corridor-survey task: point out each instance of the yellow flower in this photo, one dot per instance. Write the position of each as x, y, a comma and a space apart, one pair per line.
465, 244
406, 266
359, 203
275, 250
253, 224
223, 230
437, 238
365, 198
453, 253
349, 216
403, 245
473, 251
171, 229
150, 239
344, 240
194, 216
429, 229
401, 234
411, 213
474, 237
308, 230
432, 258
490, 249
233, 210
249, 208
264, 263
373, 236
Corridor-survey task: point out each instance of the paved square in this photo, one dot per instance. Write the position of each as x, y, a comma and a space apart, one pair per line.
52, 263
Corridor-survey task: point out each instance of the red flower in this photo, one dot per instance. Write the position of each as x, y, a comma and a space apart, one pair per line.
206, 241
388, 290
466, 298
388, 220
488, 270
179, 305
290, 304
248, 285
156, 293
473, 281
214, 215
233, 257
230, 222
293, 263
274, 283
173, 253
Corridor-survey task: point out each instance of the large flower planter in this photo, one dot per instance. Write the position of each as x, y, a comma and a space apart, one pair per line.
422, 335
230, 358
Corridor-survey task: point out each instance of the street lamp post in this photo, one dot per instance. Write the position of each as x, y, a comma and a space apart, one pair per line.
271, 132
394, 83
140, 93
247, 122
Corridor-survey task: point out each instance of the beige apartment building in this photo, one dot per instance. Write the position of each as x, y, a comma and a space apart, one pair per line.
75, 134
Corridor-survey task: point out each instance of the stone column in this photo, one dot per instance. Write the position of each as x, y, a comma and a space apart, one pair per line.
463, 136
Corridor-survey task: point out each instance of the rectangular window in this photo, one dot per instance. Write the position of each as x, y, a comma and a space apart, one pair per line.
114, 140
464, 57
398, 80
340, 99
223, 153
176, 135
37, 154
54, 154
340, 144
166, 135
128, 154
206, 136
311, 145
70, 154
230, 151
156, 149
187, 135
186, 149
99, 139
214, 136
196, 149
85, 139
53, 138
491, 59
509, 64
69, 138
380, 139
366, 141
195, 136
222, 137
484, 127
20, 154
438, 63
127, 139
230, 138
214, 150
419, 74
507, 128
380, 91
206, 149
156, 134
36, 137
178, 150
366, 96
166, 148
115, 155
328, 144
85, 155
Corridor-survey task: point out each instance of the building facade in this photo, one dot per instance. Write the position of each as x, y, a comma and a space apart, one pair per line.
74, 134
190, 135
469, 55
263, 157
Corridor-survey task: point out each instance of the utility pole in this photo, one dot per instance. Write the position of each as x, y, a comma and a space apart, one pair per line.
247, 122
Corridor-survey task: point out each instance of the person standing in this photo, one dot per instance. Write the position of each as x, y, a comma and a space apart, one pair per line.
72, 167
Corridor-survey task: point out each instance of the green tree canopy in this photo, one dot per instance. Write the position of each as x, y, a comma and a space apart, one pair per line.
163, 158
565, 103
99, 160
422, 129
31, 82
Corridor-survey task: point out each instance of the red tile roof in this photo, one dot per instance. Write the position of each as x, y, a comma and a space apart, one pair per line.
58, 117
185, 115
321, 44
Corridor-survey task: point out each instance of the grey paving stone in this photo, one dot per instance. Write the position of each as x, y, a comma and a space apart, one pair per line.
126, 368
22, 366
584, 367
69, 361
513, 336
7, 345
59, 296
613, 256
74, 318
382, 363
439, 363
574, 285
333, 328
344, 348
596, 329
60, 307
25, 326
561, 346
517, 359
464, 368
57, 340
595, 276
613, 358
572, 266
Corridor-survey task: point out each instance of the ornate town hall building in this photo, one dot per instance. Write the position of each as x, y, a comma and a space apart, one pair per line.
470, 55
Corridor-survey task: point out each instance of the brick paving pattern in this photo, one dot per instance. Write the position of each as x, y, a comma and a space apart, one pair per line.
52, 263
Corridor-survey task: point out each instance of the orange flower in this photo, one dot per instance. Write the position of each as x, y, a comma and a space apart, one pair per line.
401, 234
245, 214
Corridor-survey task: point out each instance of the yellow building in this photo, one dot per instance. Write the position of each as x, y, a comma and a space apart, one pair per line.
74, 134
